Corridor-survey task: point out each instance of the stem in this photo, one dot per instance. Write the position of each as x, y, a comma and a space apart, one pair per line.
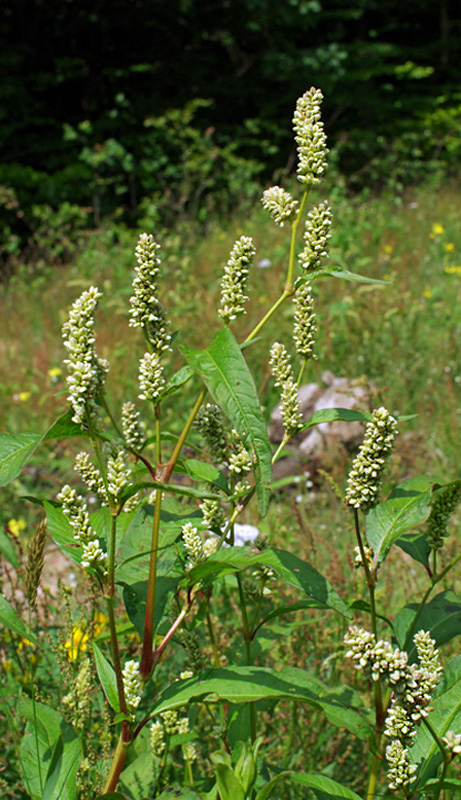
116, 766
378, 699
175, 455
116, 660
247, 638
145, 667
268, 315
110, 587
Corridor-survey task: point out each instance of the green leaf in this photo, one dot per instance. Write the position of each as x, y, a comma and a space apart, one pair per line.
407, 506
201, 471
38, 751
248, 684
445, 716
187, 491
10, 620
441, 618
139, 777
54, 769
7, 549
112, 796
338, 272
14, 452
416, 545
135, 548
175, 792
178, 380
324, 787
267, 789
225, 373
107, 677
61, 532
229, 787
290, 568
334, 414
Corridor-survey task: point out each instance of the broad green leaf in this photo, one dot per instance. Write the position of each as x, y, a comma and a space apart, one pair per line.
290, 568
54, 769
407, 506
135, 597
178, 380
7, 549
138, 778
441, 618
176, 792
229, 787
44, 727
135, 547
268, 788
14, 452
107, 677
248, 684
10, 620
324, 787
201, 471
225, 373
187, 491
416, 545
335, 414
112, 796
445, 716
61, 532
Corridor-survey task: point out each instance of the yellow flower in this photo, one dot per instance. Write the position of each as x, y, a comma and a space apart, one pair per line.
453, 270
99, 622
388, 249
77, 643
16, 526
54, 373
449, 247
427, 293
437, 230
24, 396
23, 642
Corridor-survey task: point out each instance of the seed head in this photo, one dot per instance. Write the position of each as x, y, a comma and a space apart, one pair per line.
316, 236
365, 477
310, 138
280, 204
234, 280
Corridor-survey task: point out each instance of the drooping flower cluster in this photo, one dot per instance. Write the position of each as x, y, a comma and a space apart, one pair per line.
280, 204
310, 138
210, 423
234, 280
304, 328
413, 686
213, 517
76, 512
316, 237
365, 477
289, 400
239, 459
90, 475
151, 377
443, 506
171, 723
193, 543
77, 702
86, 372
131, 426
132, 685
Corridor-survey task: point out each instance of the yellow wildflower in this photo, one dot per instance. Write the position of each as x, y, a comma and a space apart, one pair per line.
16, 526
55, 373
23, 396
99, 622
437, 230
427, 293
449, 247
77, 643
453, 270
388, 249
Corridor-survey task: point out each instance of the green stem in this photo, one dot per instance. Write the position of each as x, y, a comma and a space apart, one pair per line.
110, 586
268, 315
249, 659
168, 469
145, 667
301, 372
294, 229
282, 444
117, 765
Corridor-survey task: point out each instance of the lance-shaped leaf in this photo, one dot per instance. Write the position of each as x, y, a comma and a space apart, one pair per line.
335, 415
50, 754
290, 568
225, 373
16, 450
325, 788
407, 506
338, 272
10, 620
107, 677
441, 618
248, 684
445, 716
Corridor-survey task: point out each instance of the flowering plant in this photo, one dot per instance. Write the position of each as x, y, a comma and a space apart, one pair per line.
160, 552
